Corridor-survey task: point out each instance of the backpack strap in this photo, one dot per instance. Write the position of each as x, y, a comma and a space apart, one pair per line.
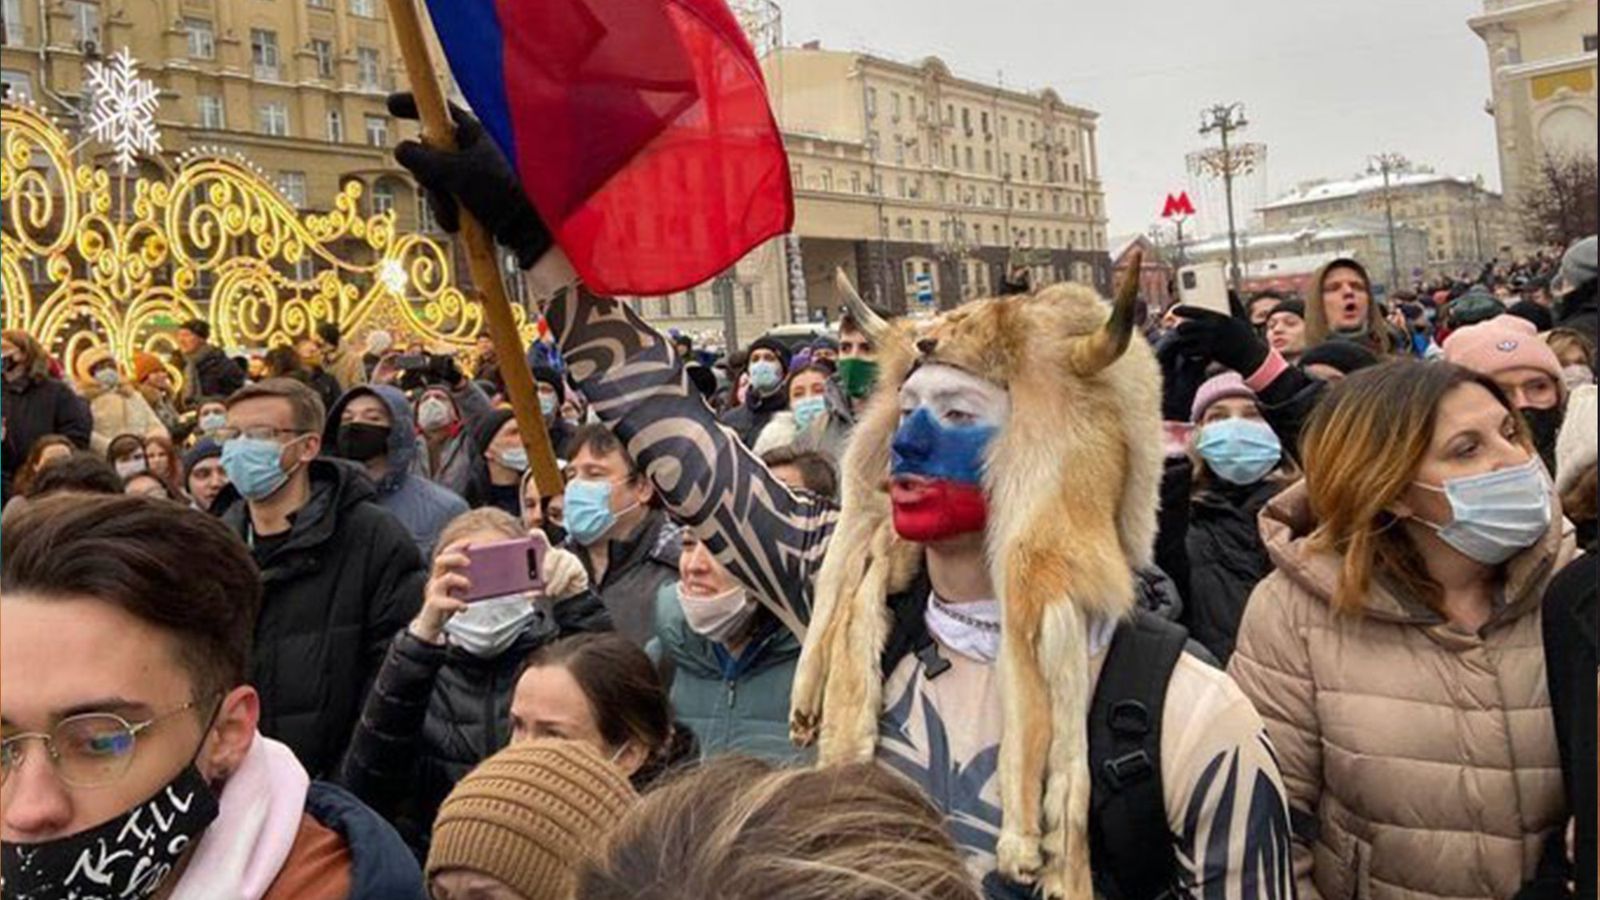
1130, 841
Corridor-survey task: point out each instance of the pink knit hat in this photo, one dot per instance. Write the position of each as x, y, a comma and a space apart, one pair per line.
1222, 387
1499, 345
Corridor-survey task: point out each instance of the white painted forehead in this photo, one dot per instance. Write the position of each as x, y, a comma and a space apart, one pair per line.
940, 385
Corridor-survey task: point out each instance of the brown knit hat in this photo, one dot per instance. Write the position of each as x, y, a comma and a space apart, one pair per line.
529, 815
144, 365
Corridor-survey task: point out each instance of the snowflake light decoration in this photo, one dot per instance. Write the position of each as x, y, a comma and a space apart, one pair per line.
122, 113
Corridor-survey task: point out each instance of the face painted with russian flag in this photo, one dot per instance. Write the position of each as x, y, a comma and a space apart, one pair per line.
947, 419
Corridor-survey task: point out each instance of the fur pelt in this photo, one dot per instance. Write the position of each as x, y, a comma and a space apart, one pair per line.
1073, 480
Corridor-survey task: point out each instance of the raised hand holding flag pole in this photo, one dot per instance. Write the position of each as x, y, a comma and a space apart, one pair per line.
438, 131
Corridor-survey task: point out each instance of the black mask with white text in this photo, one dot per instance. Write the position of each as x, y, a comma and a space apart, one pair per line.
130, 856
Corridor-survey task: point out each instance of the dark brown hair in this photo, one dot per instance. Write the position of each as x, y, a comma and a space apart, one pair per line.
138, 555
816, 471
30, 466
598, 440
738, 828
1362, 447
123, 445
309, 415
624, 692
82, 472
1581, 502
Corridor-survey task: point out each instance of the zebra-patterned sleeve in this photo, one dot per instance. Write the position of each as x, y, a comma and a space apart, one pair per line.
768, 537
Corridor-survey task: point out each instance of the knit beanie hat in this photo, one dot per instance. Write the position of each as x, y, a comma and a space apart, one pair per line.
1578, 264
1295, 308
776, 346
1540, 316
1476, 305
1337, 353
547, 375
529, 815
489, 426
145, 365
199, 453
1223, 387
1499, 345
1576, 450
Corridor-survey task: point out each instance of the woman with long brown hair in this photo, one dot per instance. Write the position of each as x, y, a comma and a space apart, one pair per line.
1395, 652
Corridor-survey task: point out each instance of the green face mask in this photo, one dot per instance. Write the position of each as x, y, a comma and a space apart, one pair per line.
857, 377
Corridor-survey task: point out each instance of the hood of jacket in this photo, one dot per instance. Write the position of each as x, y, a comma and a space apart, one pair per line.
772, 645
336, 486
1287, 524
403, 436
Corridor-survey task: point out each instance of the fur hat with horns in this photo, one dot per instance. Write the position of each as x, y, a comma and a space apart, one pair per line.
1072, 480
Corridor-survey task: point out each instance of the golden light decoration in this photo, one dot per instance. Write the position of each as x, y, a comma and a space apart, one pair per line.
120, 262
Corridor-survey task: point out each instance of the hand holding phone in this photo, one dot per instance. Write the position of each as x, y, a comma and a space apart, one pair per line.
514, 566
1205, 286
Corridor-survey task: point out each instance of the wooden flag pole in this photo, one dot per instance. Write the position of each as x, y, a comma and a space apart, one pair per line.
482, 260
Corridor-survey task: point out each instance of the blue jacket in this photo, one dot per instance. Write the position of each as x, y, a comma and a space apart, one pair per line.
733, 705
381, 867
424, 508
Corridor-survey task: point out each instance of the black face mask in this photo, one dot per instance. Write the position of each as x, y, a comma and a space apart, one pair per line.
130, 856
362, 442
1545, 425
556, 534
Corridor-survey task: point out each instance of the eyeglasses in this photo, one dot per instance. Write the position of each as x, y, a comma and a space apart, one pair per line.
254, 433
91, 750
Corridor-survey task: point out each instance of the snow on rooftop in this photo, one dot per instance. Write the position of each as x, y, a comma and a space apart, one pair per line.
1355, 187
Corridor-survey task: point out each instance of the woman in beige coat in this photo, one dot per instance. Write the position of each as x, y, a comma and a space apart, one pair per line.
1395, 653
117, 406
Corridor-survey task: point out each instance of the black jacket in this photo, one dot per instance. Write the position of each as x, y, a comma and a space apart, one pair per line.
636, 569
336, 591
33, 407
1571, 619
1226, 561
435, 712
749, 418
211, 374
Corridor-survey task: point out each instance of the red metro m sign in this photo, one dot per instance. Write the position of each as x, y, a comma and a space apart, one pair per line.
1177, 205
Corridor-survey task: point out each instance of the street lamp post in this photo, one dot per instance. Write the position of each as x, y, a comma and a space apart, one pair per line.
1388, 164
1225, 119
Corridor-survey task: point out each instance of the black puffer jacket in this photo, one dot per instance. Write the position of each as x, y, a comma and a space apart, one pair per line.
1226, 560
336, 591
749, 418
211, 374
435, 712
34, 406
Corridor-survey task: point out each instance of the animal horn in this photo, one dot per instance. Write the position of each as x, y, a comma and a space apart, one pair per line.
871, 324
1107, 345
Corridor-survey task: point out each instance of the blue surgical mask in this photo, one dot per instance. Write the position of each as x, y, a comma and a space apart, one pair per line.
515, 459
588, 515
255, 467
213, 421
107, 377
1496, 515
547, 406
808, 410
765, 375
1240, 451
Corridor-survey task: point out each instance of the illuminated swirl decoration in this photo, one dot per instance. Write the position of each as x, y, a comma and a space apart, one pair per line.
88, 258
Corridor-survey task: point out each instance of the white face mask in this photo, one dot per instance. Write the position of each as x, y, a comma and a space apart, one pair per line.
133, 465
720, 618
488, 628
434, 413
1497, 515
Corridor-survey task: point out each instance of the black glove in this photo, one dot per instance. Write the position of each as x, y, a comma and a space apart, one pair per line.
442, 369
476, 175
1181, 377
1211, 336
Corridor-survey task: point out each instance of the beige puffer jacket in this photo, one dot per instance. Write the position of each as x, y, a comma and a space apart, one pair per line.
1420, 761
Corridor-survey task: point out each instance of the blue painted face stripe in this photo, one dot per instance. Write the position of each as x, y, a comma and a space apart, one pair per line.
925, 447
472, 38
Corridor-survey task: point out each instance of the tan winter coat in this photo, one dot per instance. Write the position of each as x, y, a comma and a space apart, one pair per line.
1420, 760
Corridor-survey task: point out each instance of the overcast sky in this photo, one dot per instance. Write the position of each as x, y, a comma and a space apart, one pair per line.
1325, 83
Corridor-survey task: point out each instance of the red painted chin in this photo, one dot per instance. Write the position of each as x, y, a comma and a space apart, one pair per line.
928, 510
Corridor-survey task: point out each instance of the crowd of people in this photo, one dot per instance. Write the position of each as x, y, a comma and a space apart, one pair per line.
1343, 642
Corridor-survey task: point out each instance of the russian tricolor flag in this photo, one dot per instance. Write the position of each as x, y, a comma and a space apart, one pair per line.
640, 129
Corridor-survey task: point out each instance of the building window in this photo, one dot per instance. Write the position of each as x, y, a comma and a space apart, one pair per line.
18, 86
335, 126
691, 303
383, 197
377, 131
362, 8
425, 220
202, 40
293, 185
12, 15
264, 52
894, 105
1589, 43
872, 103
749, 300
320, 4
367, 68
86, 17
274, 119
213, 114
988, 161
322, 52
970, 166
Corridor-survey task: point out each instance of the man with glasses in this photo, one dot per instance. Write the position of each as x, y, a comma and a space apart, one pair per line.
340, 573
130, 763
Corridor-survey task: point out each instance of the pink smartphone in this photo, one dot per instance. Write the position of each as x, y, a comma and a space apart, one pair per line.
515, 566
